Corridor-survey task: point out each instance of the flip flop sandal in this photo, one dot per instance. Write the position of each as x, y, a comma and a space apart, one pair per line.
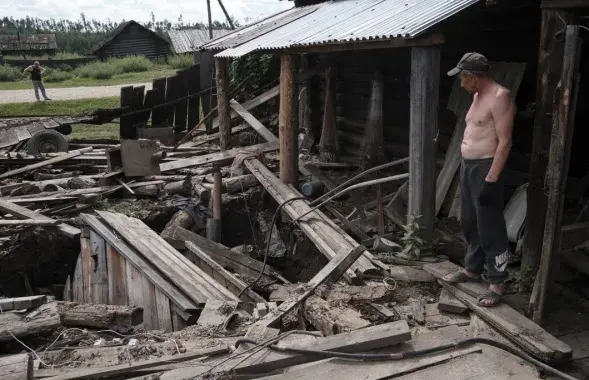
459, 276
495, 298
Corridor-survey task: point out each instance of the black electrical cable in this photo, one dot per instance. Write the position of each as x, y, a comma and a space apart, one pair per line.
268, 241
417, 353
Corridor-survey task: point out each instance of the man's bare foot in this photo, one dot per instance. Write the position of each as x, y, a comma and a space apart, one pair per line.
461, 275
493, 296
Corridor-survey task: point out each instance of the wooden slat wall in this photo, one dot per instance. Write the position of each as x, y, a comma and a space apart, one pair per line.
108, 278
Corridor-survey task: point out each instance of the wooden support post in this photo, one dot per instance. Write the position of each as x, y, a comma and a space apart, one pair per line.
214, 224
222, 67
329, 143
558, 167
372, 151
304, 98
549, 71
423, 126
286, 126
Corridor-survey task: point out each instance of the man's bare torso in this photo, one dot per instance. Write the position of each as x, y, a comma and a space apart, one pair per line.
480, 138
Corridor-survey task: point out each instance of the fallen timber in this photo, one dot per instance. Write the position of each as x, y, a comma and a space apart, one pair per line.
317, 226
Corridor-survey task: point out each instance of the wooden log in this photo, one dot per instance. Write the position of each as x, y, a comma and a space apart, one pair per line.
517, 328
8, 304
550, 63
329, 143
216, 158
128, 369
21, 212
180, 219
16, 367
287, 130
331, 320
329, 273
423, 126
28, 222
51, 161
372, 151
222, 67
42, 320
98, 316
558, 165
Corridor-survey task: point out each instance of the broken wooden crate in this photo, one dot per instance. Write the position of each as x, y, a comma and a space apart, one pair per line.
124, 262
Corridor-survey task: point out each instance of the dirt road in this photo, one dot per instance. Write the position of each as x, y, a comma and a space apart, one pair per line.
72, 93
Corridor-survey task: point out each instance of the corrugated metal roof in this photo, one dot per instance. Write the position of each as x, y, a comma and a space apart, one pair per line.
339, 21
190, 40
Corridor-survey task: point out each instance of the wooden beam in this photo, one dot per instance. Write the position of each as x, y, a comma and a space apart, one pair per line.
558, 165
287, 130
251, 120
7, 304
329, 273
54, 160
516, 327
21, 212
549, 71
16, 367
216, 158
435, 39
128, 369
222, 68
423, 126
28, 222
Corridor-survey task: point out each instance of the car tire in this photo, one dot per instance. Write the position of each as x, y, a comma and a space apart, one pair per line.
48, 141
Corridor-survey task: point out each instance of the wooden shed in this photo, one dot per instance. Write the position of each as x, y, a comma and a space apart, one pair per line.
132, 38
124, 262
27, 44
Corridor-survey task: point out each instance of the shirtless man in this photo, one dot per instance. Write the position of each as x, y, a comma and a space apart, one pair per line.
485, 147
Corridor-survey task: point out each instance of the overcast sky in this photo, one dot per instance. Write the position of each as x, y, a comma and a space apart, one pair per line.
139, 10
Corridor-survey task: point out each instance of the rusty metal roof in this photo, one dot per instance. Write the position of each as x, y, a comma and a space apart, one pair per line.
190, 40
338, 21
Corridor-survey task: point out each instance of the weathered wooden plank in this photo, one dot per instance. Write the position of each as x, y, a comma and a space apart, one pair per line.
42, 320
21, 212
218, 158
251, 120
150, 315
7, 304
158, 116
128, 369
131, 256
87, 272
216, 312
117, 284
248, 296
563, 128
134, 286
78, 281
181, 111
517, 328
120, 318
16, 367
164, 312
423, 126
239, 263
100, 276
222, 72
28, 222
126, 130
287, 129
450, 304
51, 161
193, 79
172, 83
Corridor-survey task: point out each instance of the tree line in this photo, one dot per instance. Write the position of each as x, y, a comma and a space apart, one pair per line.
81, 35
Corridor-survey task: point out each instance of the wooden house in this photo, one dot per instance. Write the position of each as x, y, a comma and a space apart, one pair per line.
131, 38
371, 84
28, 44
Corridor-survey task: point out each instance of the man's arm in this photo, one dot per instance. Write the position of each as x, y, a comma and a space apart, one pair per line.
28, 69
42, 70
503, 114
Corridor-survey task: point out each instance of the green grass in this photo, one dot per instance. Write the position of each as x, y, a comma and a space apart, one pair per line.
129, 78
95, 132
57, 107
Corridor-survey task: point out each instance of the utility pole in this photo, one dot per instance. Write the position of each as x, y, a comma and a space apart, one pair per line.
226, 14
210, 19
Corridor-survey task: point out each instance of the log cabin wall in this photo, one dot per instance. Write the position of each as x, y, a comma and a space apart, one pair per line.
506, 32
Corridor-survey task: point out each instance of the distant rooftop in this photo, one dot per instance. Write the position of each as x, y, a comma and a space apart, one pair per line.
190, 40
24, 42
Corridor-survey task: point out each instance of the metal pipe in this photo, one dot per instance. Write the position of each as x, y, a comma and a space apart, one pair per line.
356, 186
351, 180
210, 19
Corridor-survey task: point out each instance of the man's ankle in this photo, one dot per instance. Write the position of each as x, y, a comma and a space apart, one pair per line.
470, 274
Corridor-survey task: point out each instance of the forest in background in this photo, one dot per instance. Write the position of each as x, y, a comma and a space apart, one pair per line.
79, 36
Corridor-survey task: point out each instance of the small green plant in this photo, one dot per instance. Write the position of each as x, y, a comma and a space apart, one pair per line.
58, 76
180, 61
415, 246
522, 279
10, 74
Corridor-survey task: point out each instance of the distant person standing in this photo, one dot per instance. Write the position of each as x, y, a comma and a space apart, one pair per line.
36, 73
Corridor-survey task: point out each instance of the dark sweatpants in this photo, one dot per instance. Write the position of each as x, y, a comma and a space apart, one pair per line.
483, 226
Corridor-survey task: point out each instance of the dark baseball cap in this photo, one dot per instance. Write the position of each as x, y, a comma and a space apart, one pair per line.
473, 62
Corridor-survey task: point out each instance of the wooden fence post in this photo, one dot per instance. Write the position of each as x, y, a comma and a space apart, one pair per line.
286, 125
222, 67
